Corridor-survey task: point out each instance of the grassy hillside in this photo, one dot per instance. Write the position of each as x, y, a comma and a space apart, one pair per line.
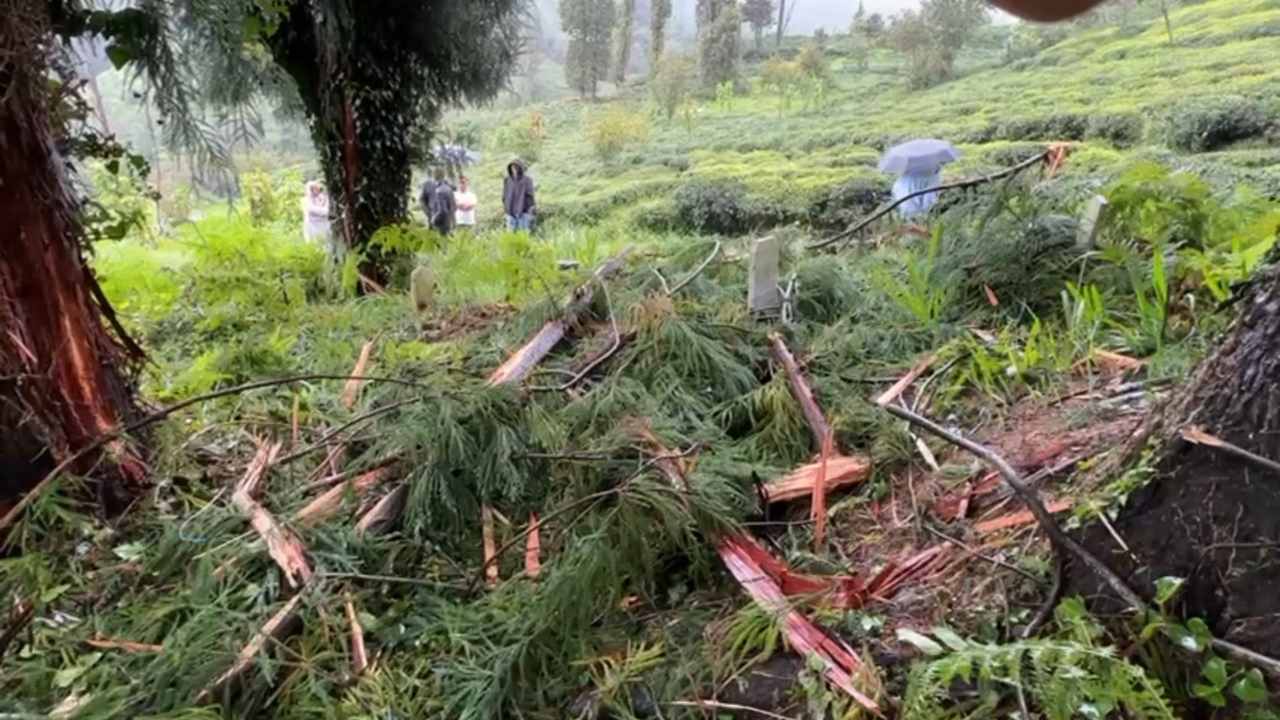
1108, 87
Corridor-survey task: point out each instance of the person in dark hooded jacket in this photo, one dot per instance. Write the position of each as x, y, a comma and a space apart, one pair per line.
517, 197
441, 206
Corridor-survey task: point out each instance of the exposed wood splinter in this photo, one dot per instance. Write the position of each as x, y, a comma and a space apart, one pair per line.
284, 547
276, 629
842, 470
800, 390
359, 657
905, 381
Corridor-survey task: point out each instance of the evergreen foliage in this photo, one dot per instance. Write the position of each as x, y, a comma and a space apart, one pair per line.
760, 15
624, 41
659, 15
932, 36
589, 25
719, 28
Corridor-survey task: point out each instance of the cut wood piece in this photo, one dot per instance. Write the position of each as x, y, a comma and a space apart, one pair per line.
905, 381
1018, 519
818, 503
800, 390
842, 470
533, 548
523, 361
124, 646
837, 662
327, 504
284, 547
1115, 362
351, 392
490, 547
359, 657
276, 629
384, 512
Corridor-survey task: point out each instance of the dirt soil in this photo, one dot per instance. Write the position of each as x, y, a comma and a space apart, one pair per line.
466, 321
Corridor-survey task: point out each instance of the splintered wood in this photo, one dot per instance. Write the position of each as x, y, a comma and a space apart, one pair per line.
800, 390
842, 470
330, 502
284, 547
276, 629
359, 656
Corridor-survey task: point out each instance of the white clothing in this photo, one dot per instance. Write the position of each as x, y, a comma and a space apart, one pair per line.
465, 200
908, 184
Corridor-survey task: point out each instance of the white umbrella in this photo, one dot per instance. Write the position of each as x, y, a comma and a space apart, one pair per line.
918, 157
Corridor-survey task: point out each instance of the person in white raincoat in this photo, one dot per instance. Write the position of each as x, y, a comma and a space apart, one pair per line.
315, 217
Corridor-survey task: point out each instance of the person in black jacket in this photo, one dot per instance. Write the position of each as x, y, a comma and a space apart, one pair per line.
441, 207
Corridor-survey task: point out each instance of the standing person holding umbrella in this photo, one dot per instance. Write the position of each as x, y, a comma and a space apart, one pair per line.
918, 165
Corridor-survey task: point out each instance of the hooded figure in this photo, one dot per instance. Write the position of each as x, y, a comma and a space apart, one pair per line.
441, 207
517, 197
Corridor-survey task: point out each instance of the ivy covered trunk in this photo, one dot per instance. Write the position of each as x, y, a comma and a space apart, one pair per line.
63, 375
1207, 515
359, 114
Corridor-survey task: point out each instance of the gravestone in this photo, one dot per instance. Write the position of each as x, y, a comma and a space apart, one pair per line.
1091, 222
763, 295
422, 292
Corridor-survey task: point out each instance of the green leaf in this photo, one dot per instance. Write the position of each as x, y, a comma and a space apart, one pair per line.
1209, 694
65, 677
53, 593
1201, 631
922, 643
251, 28
950, 638
1215, 671
1167, 587
1251, 687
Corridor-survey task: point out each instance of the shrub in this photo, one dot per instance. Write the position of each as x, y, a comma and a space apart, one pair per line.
814, 63
1120, 129
674, 79
724, 207
616, 128
847, 203
1063, 126
260, 193
523, 137
1203, 125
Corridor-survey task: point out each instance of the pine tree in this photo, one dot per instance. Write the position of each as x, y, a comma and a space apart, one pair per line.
589, 25
719, 23
659, 14
625, 39
760, 15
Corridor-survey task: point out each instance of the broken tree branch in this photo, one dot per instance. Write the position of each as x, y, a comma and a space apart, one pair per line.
800, 390
284, 547
1029, 497
275, 630
47, 481
1061, 540
1198, 436
696, 272
885, 210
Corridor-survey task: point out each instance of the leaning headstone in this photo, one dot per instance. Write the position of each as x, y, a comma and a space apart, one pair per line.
422, 291
1091, 223
763, 295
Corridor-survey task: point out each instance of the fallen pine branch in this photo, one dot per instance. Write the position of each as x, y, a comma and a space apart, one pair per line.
959, 185
800, 390
276, 629
47, 481
696, 272
1063, 542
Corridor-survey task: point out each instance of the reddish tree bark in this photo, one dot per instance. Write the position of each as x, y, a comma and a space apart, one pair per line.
63, 375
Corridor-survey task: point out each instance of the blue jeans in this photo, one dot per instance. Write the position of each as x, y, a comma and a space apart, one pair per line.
524, 222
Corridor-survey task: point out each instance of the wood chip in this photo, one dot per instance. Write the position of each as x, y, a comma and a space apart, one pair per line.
842, 470
1019, 519
905, 381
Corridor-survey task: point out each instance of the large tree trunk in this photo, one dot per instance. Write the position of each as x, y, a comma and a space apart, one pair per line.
366, 163
63, 376
1207, 515
624, 41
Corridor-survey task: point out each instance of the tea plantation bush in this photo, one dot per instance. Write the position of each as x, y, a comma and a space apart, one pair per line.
1203, 125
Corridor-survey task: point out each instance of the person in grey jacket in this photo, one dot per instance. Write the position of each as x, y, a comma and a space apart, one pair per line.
517, 197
